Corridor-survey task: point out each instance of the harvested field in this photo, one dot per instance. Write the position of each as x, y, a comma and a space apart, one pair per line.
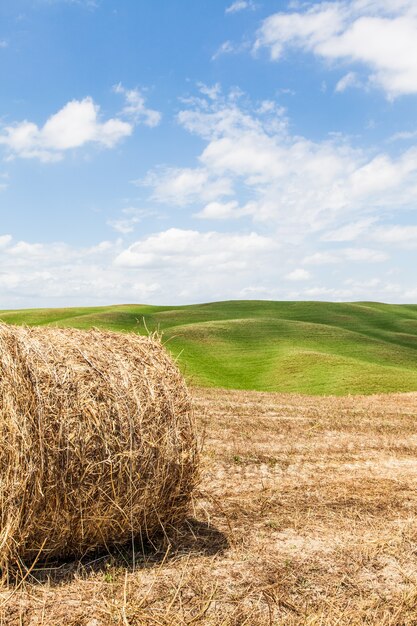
307, 514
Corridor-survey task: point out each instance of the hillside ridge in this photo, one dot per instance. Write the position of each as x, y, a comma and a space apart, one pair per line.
320, 348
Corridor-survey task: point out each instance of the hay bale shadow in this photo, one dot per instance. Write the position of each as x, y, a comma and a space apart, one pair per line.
193, 538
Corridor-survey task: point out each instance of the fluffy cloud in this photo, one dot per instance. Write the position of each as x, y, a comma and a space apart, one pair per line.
5, 240
219, 211
380, 35
212, 251
77, 124
298, 274
194, 266
73, 126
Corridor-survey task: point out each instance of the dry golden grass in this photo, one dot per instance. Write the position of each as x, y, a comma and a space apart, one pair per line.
97, 442
307, 515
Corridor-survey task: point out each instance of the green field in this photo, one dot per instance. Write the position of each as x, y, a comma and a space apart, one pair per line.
306, 347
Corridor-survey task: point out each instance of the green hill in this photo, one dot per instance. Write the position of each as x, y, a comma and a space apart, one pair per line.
306, 347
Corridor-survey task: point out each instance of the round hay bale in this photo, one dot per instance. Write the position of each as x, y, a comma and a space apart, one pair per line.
97, 441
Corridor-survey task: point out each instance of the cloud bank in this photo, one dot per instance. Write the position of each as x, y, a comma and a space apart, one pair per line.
379, 36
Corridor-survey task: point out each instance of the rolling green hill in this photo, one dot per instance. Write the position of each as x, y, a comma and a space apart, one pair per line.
305, 347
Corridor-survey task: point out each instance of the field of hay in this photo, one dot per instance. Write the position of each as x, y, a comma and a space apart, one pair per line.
306, 514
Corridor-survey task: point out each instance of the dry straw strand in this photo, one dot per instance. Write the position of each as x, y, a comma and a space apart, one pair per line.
97, 441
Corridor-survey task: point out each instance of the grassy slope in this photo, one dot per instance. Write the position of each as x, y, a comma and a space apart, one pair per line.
307, 347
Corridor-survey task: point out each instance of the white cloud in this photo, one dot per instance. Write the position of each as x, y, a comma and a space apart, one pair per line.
363, 284
212, 92
73, 126
403, 136
192, 249
381, 36
297, 191
295, 194
89, 4
249, 292
327, 293
135, 107
352, 289
124, 226
172, 266
219, 211
131, 217
250, 159
191, 265
5, 240
240, 5
298, 274
305, 30
225, 48
177, 266
182, 186
396, 234
365, 255
410, 295
231, 47
77, 124
349, 232
56, 274
322, 258
3, 43
348, 80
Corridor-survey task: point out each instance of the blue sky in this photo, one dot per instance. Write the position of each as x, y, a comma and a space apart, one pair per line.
173, 152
